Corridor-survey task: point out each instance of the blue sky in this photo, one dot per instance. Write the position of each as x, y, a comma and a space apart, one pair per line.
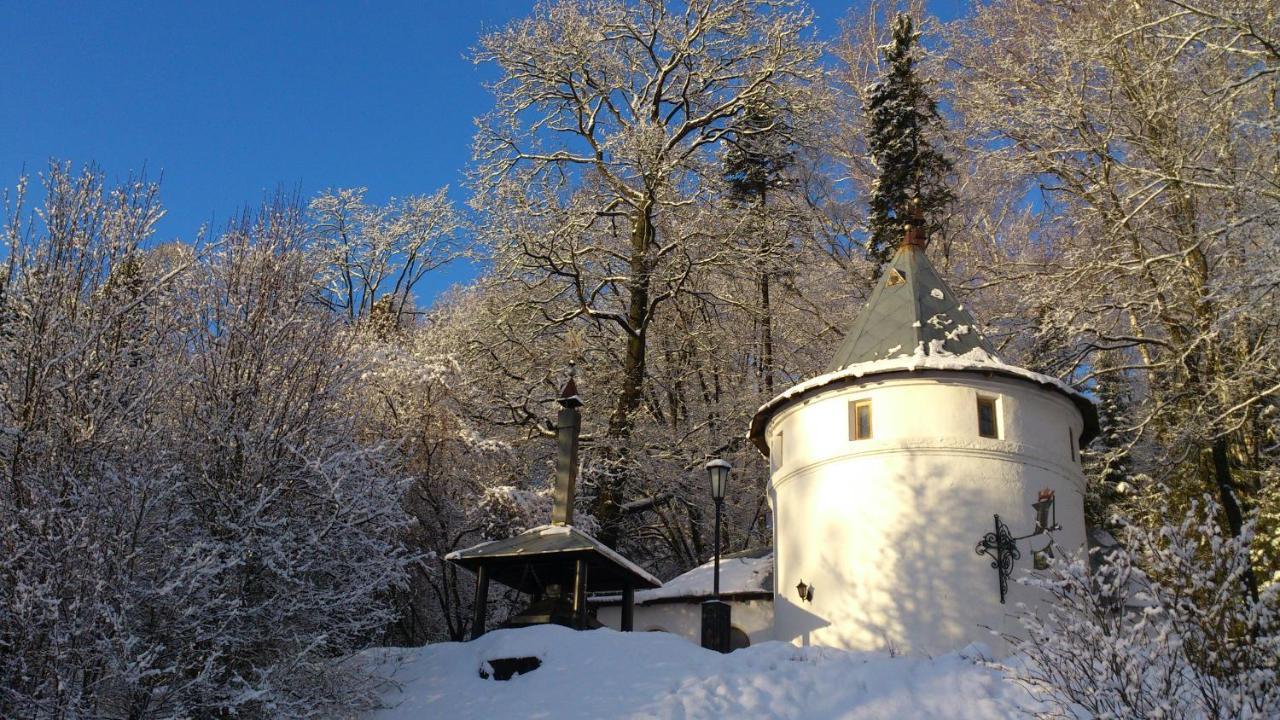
230, 100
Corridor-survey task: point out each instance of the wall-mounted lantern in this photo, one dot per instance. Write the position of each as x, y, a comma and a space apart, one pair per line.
805, 591
1002, 547
1046, 514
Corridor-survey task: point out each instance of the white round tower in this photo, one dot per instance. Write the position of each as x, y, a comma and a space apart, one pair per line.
888, 472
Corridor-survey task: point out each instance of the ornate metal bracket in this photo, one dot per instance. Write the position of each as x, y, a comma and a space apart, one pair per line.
1002, 547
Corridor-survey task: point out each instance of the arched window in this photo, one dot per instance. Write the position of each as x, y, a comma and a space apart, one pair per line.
738, 639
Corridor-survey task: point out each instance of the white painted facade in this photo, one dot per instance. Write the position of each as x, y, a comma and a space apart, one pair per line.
884, 529
684, 618
881, 524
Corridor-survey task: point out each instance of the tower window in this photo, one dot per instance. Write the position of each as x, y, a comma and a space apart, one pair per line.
775, 454
988, 425
1071, 444
860, 420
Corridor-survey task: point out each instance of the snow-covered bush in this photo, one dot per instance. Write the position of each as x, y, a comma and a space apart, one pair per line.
412, 397
189, 523
1163, 628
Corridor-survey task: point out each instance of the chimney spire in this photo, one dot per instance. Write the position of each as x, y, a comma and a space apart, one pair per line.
568, 426
915, 235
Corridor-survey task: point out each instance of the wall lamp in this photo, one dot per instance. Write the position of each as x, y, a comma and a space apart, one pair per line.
805, 591
1044, 510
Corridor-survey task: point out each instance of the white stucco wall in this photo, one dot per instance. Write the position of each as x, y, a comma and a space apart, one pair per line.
753, 617
884, 529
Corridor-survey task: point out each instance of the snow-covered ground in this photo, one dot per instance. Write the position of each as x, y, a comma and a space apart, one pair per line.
608, 674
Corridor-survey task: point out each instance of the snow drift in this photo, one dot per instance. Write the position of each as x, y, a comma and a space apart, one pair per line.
608, 674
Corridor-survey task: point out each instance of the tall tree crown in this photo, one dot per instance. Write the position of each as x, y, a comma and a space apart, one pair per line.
900, 117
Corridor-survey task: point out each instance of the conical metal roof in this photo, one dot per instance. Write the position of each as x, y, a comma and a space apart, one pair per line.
913, 322
910, 310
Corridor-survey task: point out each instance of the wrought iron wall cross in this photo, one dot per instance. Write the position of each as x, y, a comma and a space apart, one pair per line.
1002, 547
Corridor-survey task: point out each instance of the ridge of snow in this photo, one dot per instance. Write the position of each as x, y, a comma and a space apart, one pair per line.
932, 358
609, 674
454, 555
737, 575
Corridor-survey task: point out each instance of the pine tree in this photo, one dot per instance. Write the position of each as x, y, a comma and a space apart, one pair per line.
759, 156
1108, 461
900, 116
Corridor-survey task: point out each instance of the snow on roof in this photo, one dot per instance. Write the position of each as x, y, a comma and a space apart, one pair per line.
552, 538
912, 307
609, 674
911, 304
933, 357
745, 573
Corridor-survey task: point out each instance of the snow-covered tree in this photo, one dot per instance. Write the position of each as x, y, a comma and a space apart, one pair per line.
376, 255
1157, 628
590, 170
1144, 133
903, 126
188, 523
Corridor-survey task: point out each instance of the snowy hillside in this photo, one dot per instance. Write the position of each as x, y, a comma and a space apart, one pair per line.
607, 674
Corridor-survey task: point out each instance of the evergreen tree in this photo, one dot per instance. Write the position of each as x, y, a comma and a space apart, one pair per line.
757, 160
1108, 460
900, 114
758, 156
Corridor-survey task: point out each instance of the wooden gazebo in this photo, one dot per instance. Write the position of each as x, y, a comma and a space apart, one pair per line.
557, 565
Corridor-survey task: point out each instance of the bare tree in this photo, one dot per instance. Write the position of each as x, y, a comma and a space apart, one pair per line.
377, 255
1147, 132
607, 116
188, 523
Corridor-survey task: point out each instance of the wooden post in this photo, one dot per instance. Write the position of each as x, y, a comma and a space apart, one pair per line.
481, 602
628, 607
580, 594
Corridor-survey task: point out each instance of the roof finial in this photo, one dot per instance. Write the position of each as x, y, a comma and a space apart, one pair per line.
915, 235
569, 395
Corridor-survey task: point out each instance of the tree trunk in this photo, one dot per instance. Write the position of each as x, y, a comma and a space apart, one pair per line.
606, 506
766, 333
1230, 505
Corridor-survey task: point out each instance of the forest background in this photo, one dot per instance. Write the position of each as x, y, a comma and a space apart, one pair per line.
229, 461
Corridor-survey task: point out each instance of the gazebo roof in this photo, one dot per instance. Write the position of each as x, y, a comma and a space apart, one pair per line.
545, 555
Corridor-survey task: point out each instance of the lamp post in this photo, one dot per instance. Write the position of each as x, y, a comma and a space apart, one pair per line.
715, 613
718, 472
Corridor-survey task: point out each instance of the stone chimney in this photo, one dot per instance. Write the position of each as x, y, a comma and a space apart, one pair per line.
568, 426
